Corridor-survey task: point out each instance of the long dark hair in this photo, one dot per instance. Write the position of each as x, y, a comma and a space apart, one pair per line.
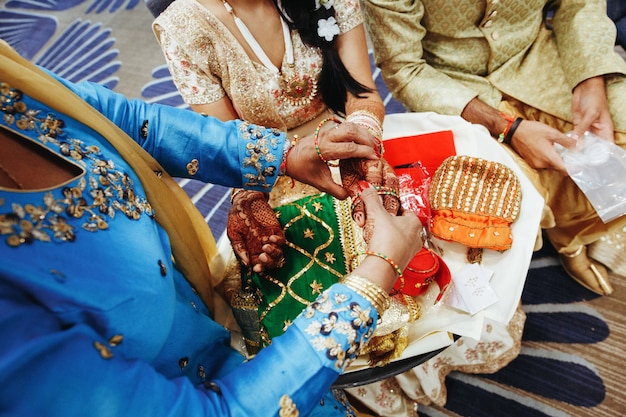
335, 81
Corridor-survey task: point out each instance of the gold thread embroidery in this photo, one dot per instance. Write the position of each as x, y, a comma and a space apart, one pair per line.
287, 407
116, 340
93, 198
192, 167
316, 287
103, 350
258, 149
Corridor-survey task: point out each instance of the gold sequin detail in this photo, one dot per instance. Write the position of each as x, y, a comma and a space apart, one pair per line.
316, 287
192, 167
103, 350
116, 340
474, 185
309, 234
93, 198
287, 407
330, 257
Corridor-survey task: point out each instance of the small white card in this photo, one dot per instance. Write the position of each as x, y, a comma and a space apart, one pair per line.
471, 291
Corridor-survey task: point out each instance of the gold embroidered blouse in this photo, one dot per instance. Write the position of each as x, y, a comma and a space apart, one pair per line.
207, 62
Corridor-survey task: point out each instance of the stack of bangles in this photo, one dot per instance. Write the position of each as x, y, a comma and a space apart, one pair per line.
379, 299
390, 261
381, 190
507, 134
369, 121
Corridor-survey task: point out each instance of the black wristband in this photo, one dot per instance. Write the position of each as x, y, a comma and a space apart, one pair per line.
509, 135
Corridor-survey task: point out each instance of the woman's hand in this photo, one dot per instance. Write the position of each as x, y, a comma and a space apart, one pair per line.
397, 237
377, 173
345, 141
254, 231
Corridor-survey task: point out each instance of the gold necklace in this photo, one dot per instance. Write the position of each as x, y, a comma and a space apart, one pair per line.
296, 89
11, 177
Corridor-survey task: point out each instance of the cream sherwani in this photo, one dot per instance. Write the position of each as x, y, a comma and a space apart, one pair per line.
437, 55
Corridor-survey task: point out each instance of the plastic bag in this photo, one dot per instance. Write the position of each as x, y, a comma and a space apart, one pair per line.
414, 182
598, 167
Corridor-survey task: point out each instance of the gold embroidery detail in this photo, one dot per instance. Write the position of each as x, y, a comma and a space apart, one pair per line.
103, 350
330, 257
316, 287
309, 234
317, 206
286, 325
260, 142
314, 258
93, 198
201, 372
287, 407
192, 167
116, 340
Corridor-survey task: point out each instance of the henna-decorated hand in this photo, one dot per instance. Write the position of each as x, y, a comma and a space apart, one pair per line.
347, 140
254, 231
379, 174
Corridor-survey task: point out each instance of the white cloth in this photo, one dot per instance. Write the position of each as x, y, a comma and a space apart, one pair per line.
491, 338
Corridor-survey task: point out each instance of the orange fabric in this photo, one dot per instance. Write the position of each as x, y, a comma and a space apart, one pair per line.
474, 201
472, 230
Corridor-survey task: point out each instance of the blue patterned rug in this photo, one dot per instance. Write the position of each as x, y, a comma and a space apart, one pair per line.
572, 352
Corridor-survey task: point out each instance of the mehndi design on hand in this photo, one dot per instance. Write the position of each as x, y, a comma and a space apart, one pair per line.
254, 231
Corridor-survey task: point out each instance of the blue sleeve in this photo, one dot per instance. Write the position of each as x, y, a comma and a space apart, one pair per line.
47, 369
190, 145
300, 365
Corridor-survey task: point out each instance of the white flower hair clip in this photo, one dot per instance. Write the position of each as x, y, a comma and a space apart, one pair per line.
327, 28
326, 3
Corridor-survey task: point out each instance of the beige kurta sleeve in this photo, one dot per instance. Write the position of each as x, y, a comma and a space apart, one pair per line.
585, 39
396, 33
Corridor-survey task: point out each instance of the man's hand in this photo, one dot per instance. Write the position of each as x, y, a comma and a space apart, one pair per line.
590, 109
534, 142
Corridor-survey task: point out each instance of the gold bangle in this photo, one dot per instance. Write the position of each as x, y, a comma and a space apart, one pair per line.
234, 192
377, 297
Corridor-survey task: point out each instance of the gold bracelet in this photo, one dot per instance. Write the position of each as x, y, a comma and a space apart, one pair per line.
234, 192
378, 297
